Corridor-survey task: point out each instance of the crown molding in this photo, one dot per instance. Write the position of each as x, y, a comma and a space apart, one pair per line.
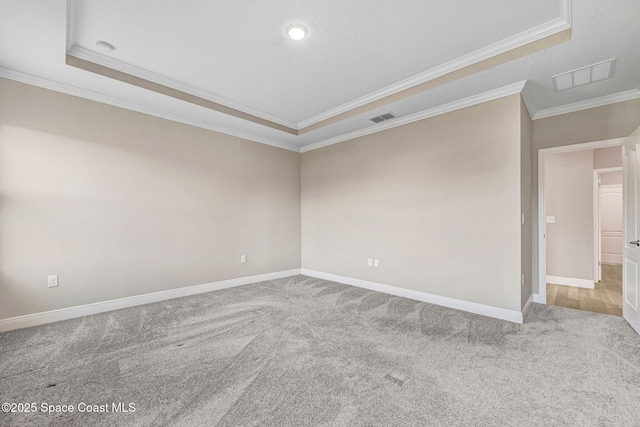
87, 55
105, 61
565, 11
128, 105
71, 23
432, 112
527, 97
589, 103
541, 31
555, 26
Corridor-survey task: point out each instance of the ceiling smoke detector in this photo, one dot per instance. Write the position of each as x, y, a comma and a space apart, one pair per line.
585, 75
383, 117
104, 46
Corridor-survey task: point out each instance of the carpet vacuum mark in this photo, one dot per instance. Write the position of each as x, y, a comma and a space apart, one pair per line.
301, 351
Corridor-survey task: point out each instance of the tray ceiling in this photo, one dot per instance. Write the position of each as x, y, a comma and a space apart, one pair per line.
360, 59
239, 51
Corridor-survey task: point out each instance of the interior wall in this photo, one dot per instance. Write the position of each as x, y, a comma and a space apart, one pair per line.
437, 202
609, 157
55, 147
611, 178
118, 203
525, 190
596, 124
569, 198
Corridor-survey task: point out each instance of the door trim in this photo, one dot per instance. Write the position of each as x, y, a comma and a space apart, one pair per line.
542, 225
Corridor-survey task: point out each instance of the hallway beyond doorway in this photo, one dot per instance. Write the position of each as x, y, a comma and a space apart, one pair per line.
606, 298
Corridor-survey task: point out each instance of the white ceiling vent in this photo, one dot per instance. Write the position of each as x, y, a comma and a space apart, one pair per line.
585, 75
383, 117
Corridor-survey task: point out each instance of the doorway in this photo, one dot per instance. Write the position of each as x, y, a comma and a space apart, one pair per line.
580, 217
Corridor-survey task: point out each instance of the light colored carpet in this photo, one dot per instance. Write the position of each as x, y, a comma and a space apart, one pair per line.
301, 351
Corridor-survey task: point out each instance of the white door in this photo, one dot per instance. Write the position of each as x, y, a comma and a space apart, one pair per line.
611, 224
631, 251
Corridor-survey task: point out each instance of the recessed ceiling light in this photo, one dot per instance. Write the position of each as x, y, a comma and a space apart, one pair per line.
585, 75
104, 46
297, 31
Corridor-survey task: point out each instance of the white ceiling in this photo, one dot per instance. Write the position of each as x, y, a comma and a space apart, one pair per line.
236, 53
239, 50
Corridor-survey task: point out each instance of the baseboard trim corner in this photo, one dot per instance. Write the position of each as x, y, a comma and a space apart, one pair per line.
35, 319
527, 307
471, 307
538, 299
570, 281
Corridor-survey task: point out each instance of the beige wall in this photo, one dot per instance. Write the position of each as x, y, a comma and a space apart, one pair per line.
94, 193
569, 197
437, 202
119, 203
525, 197
611, 178
609, 157
595, 124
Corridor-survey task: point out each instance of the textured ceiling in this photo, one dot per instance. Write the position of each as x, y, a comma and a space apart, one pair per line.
239, 50
237, 53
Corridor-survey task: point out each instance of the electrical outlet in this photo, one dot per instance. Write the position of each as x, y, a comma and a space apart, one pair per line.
52, 281
243, 258
376, 263
370, 262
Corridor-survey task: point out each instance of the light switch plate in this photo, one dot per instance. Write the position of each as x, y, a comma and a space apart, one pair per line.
551, 220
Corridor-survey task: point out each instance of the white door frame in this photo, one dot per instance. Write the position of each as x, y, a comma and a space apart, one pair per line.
597, 272
630, 251
542, 223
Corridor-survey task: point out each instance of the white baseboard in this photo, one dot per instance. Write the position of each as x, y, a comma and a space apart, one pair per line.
472, 307
615, 259
570, 281
539, 299
527, 307
117, 304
